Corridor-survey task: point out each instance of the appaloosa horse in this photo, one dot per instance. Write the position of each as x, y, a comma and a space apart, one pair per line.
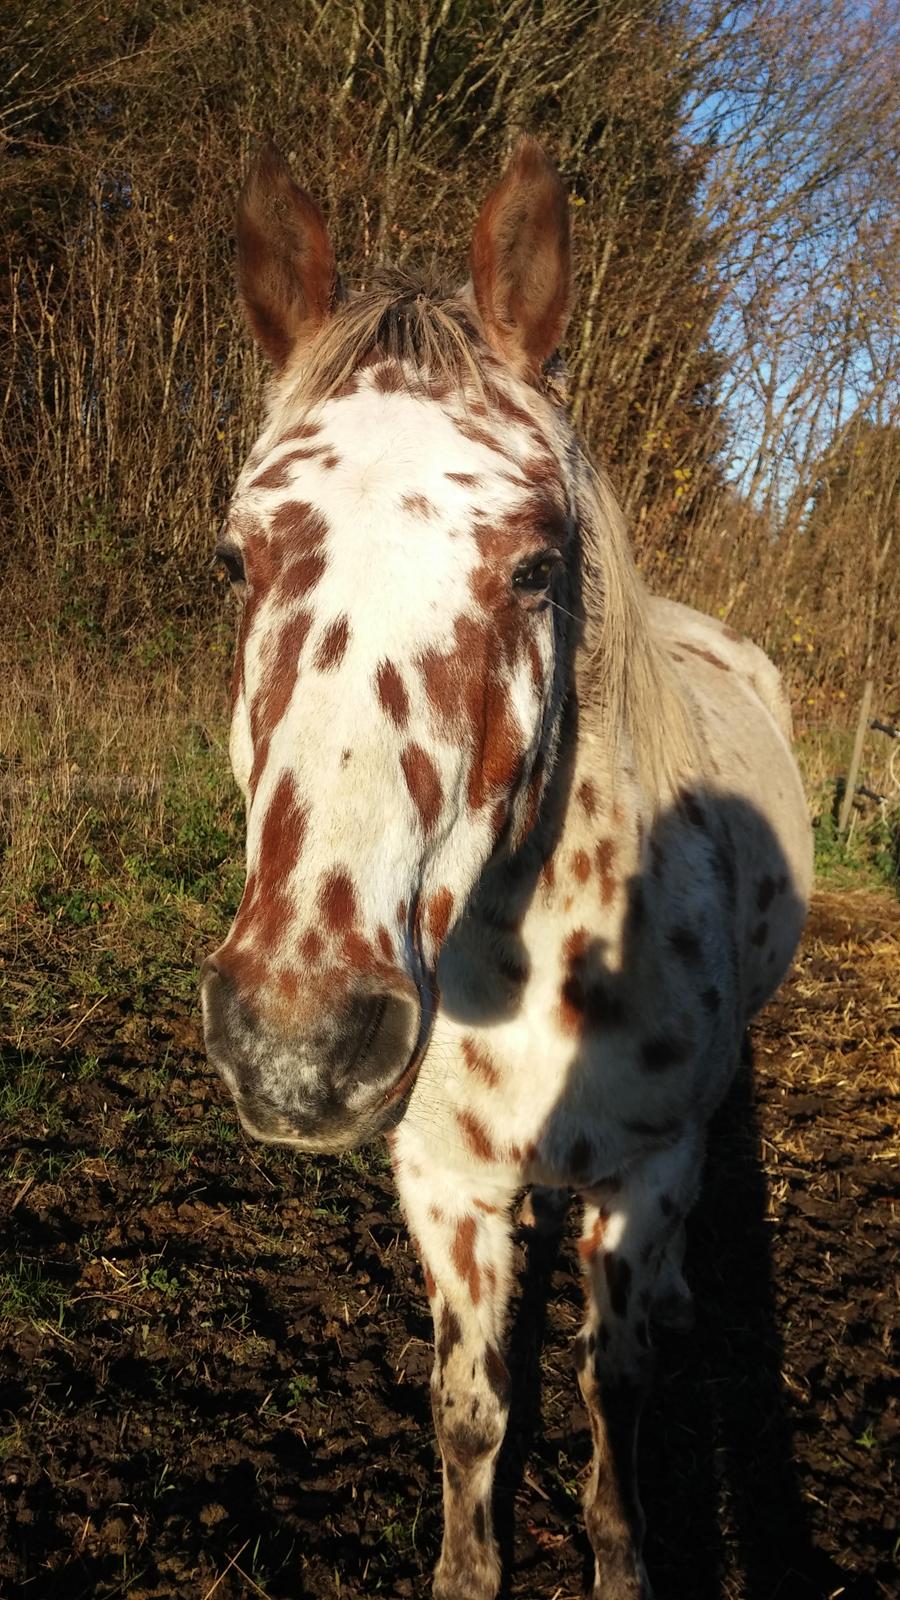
525, 847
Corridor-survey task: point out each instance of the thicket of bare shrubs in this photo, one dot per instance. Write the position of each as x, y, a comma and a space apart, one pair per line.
734, 345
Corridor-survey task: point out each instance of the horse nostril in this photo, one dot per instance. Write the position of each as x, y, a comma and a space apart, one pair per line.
217, 996
378, 1011
386, 1030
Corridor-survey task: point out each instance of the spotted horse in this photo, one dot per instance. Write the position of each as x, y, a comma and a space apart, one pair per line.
526, 847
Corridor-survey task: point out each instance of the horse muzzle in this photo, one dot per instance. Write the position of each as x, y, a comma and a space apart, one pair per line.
327, 1083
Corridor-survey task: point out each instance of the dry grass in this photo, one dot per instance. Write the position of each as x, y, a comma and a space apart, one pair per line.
844, 1016
843, 1021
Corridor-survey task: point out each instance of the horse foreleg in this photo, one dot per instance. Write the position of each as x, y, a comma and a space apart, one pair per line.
628, 1228
463, 1241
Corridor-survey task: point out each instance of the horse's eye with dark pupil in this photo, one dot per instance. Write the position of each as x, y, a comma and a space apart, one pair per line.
228, 563
534, 578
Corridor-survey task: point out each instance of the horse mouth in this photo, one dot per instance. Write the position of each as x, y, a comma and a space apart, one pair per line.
427, 1013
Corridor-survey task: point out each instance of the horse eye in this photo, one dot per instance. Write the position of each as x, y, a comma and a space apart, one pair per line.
534, 577
228, 564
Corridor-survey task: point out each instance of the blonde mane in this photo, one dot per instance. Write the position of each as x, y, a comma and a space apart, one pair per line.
624, 680
623, 675
414, 322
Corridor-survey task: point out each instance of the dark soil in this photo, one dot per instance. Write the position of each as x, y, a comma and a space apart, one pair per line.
214, 1362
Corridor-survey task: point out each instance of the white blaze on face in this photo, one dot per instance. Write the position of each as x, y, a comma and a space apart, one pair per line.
400, 493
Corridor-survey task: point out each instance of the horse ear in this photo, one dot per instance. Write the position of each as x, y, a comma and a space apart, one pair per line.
521, 260
285, 263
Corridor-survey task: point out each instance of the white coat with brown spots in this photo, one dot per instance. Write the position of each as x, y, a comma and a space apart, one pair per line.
525, 847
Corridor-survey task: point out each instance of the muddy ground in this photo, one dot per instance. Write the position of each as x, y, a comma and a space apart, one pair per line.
214, 1359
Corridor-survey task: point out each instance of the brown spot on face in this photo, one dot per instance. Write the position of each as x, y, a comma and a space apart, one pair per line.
581, 866
479, 1062
279, 678
606, 855
487, 1209
440, 910
303, 430
462, 1253
482, 436
295, 527
476, 1136
501, 751
468, 480
337, 899
759, 934
310, 947
288, 985
265, 908
587, 795
392, 693
423, 783
765, 893
331, 461
467, 690
706, 655
663, 1052
279, 475
297, 577
385, 942
418, 505
686, 945
333, 646
618, 1281
358, 952
387, 377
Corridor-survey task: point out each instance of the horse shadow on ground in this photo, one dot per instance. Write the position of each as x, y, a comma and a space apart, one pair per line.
717, 1465
718, 1477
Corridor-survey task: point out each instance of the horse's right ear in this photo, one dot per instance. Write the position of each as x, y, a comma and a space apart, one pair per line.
285, 263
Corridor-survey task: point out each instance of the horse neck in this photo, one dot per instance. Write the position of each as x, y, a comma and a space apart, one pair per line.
591, 797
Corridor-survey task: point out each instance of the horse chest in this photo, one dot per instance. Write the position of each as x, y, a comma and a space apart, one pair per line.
537, 1040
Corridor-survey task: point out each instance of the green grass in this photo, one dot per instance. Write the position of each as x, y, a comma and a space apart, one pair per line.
27, 1295
23, 1084
868, 856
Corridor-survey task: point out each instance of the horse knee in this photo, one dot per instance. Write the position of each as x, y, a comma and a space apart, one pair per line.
469, 1427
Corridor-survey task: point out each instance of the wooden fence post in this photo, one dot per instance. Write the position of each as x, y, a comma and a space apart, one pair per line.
856, 758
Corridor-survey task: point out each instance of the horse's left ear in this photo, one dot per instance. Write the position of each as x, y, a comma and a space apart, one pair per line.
286, 271
521, 260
